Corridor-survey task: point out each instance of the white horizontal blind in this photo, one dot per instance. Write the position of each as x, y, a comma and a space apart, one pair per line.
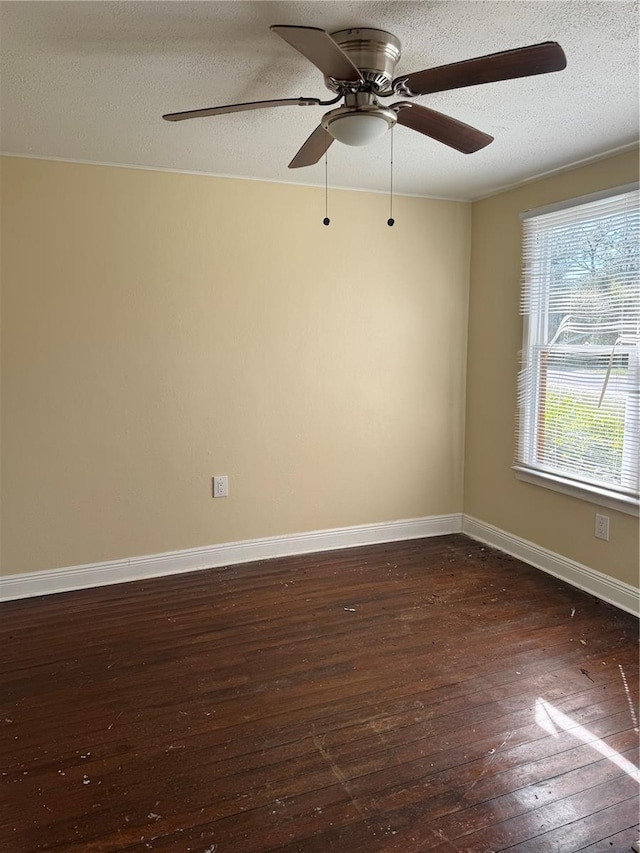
579, 388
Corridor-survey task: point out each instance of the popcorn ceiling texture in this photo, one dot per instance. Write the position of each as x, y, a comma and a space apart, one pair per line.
90, 81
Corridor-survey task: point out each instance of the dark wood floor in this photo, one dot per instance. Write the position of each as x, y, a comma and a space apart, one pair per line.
427, 695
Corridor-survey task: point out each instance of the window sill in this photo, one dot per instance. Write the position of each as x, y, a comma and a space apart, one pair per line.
593, 494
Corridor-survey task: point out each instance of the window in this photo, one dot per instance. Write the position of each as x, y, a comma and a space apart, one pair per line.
579, 388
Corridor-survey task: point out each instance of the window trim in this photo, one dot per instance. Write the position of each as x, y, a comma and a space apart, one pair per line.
579, 200
581, 489
591, 494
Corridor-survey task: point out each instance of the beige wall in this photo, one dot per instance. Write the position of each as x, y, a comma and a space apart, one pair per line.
161, 328
558, 522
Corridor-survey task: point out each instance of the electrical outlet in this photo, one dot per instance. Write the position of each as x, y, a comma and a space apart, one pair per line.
221, 487
602, 527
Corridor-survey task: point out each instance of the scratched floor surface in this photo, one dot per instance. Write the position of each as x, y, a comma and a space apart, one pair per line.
427, 695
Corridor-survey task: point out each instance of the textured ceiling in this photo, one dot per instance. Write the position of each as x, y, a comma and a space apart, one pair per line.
90, 80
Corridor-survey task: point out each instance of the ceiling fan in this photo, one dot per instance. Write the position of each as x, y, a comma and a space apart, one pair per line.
358, 65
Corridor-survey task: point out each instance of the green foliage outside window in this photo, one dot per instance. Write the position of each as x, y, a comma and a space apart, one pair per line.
580, 437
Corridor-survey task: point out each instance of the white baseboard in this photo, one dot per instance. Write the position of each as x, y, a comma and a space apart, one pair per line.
616, 592
52, 581
28, 585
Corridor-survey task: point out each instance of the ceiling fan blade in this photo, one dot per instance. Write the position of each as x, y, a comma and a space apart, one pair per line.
320, 49
239, 108
313, 148
506, 65
440, 127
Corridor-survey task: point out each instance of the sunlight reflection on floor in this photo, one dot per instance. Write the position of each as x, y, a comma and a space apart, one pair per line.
551, 719
632, 709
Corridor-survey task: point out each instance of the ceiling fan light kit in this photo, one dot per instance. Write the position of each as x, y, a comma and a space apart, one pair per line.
358, 65
360, 121
358, 127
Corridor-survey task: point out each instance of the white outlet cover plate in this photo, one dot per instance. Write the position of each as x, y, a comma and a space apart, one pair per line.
221, 486
602, 527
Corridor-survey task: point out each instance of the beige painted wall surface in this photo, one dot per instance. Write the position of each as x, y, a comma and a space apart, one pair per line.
162, 328
558, 522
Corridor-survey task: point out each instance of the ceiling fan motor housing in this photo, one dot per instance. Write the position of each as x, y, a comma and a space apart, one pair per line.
375, 53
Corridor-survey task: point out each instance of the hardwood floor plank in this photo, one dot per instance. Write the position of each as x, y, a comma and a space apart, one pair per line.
620, 841
533, 797
574, 835
251, 708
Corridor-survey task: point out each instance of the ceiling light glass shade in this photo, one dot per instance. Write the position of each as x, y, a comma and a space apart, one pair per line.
358, 127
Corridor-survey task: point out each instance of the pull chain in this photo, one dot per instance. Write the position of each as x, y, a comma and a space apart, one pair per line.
391, 220
326, 219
